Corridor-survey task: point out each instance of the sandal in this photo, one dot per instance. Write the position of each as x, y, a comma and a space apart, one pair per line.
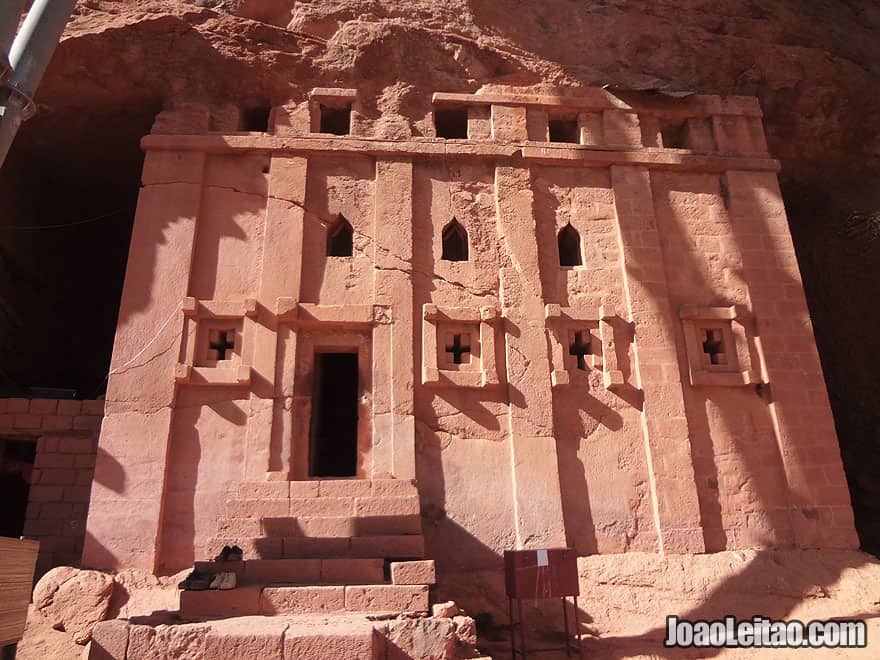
195, 581
228, 580
223, 581
223, 554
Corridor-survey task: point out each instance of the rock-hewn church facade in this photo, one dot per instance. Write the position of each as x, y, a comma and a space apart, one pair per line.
518, 321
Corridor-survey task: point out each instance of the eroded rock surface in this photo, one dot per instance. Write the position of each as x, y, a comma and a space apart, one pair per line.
74, 600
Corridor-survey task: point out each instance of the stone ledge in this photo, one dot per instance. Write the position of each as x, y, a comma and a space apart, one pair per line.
600, 99
585, 155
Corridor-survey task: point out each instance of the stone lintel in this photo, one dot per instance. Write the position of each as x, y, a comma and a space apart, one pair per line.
546, 153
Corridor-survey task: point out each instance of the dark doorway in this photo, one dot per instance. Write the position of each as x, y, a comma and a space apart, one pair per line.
333, 451
16, 464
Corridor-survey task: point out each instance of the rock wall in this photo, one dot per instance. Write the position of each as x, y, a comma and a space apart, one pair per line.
809, 64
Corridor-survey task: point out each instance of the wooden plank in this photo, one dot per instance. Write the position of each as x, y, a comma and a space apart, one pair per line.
17, 561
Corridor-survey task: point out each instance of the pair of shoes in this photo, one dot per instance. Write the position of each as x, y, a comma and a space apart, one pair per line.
195, 581
224, 580
230, 554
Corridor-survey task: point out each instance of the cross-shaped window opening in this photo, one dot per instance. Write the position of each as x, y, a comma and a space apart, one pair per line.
713, 346
579, 346
460, 346
221, 341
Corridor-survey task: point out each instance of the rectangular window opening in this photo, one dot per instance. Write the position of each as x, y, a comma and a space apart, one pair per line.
451, 123
564, 129
674, 136
336, 121
256, 120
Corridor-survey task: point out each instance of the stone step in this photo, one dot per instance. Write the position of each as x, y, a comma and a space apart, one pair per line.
312, 599
317, 507
392, 546
345, 635
300, 571
341, 526
331, 640
273, 490
387, 547
320, 526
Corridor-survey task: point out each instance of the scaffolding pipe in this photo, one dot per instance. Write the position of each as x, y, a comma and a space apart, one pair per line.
30, 54
10, 15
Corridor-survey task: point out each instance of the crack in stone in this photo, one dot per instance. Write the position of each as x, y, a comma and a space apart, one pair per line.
147, 361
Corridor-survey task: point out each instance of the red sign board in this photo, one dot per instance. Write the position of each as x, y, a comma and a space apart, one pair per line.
550, 573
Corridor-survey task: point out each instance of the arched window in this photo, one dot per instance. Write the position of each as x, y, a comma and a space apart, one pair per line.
569, 246
339, 236
455, 242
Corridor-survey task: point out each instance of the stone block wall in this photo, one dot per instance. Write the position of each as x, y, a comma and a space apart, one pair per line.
66, 437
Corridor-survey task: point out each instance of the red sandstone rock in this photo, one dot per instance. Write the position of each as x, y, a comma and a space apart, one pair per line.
386, 598
74, 600
426, 639
109, 640
297, 600
393, 488
352, 571
163, 642
248, 638
465, 630
331, 642
413, 572
445, 610
44, 590
140, 594
283, 570
41, 641
241, 601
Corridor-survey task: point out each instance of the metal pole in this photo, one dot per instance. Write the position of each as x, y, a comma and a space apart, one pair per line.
10, 15
30, 55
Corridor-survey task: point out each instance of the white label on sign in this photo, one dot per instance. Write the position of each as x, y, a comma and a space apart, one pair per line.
542, 558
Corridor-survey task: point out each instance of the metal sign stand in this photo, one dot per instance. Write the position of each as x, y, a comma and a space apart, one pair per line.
517, 624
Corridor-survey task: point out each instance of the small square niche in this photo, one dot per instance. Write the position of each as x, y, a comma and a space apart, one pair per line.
255, 119
673, 135
336, 120
563, 129
451, 123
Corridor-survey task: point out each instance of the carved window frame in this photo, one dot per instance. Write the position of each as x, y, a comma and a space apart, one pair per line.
482, 371
199, 316
734, 324
598, 320
333, 97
